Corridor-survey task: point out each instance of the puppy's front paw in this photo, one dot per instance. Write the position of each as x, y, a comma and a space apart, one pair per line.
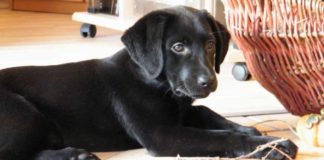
287, 147
277, 149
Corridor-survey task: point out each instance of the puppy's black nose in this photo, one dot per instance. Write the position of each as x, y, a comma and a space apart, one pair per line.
205, 81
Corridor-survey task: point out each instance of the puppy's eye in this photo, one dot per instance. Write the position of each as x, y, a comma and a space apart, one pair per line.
210, 45
178, 47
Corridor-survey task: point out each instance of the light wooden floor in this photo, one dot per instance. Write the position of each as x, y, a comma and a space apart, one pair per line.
28, 38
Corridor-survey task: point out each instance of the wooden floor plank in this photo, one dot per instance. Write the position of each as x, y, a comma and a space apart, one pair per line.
18, 28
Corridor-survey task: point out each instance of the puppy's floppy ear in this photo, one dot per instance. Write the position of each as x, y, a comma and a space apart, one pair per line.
222, 39
144, 42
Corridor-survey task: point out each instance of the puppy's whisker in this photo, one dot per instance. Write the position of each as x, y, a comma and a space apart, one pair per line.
167, 91
161, 84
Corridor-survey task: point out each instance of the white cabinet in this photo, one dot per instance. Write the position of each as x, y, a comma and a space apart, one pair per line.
130, 10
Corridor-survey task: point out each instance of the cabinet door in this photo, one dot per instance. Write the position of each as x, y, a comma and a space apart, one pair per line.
56, 6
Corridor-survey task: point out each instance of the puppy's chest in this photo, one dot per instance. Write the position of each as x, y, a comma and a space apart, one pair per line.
166, 110
151, 103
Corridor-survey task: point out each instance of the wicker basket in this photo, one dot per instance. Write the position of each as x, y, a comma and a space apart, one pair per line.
283, 44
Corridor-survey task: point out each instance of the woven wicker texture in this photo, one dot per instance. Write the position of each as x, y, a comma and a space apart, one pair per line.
283, 44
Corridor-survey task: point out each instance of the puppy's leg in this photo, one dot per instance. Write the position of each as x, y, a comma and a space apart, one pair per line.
171, 141
164, 138
23, 130
25, 133
204, 118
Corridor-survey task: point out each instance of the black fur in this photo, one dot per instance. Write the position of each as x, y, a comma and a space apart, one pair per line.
140, 97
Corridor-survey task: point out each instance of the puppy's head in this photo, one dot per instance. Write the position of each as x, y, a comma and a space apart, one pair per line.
183, 44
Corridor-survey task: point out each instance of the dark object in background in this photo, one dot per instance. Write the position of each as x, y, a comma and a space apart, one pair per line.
241, 72
103, 6
88, 30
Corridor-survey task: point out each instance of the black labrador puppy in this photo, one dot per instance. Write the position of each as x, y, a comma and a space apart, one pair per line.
140, 97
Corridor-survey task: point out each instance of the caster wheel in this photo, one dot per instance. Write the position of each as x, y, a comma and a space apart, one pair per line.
88, 30
241, 72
